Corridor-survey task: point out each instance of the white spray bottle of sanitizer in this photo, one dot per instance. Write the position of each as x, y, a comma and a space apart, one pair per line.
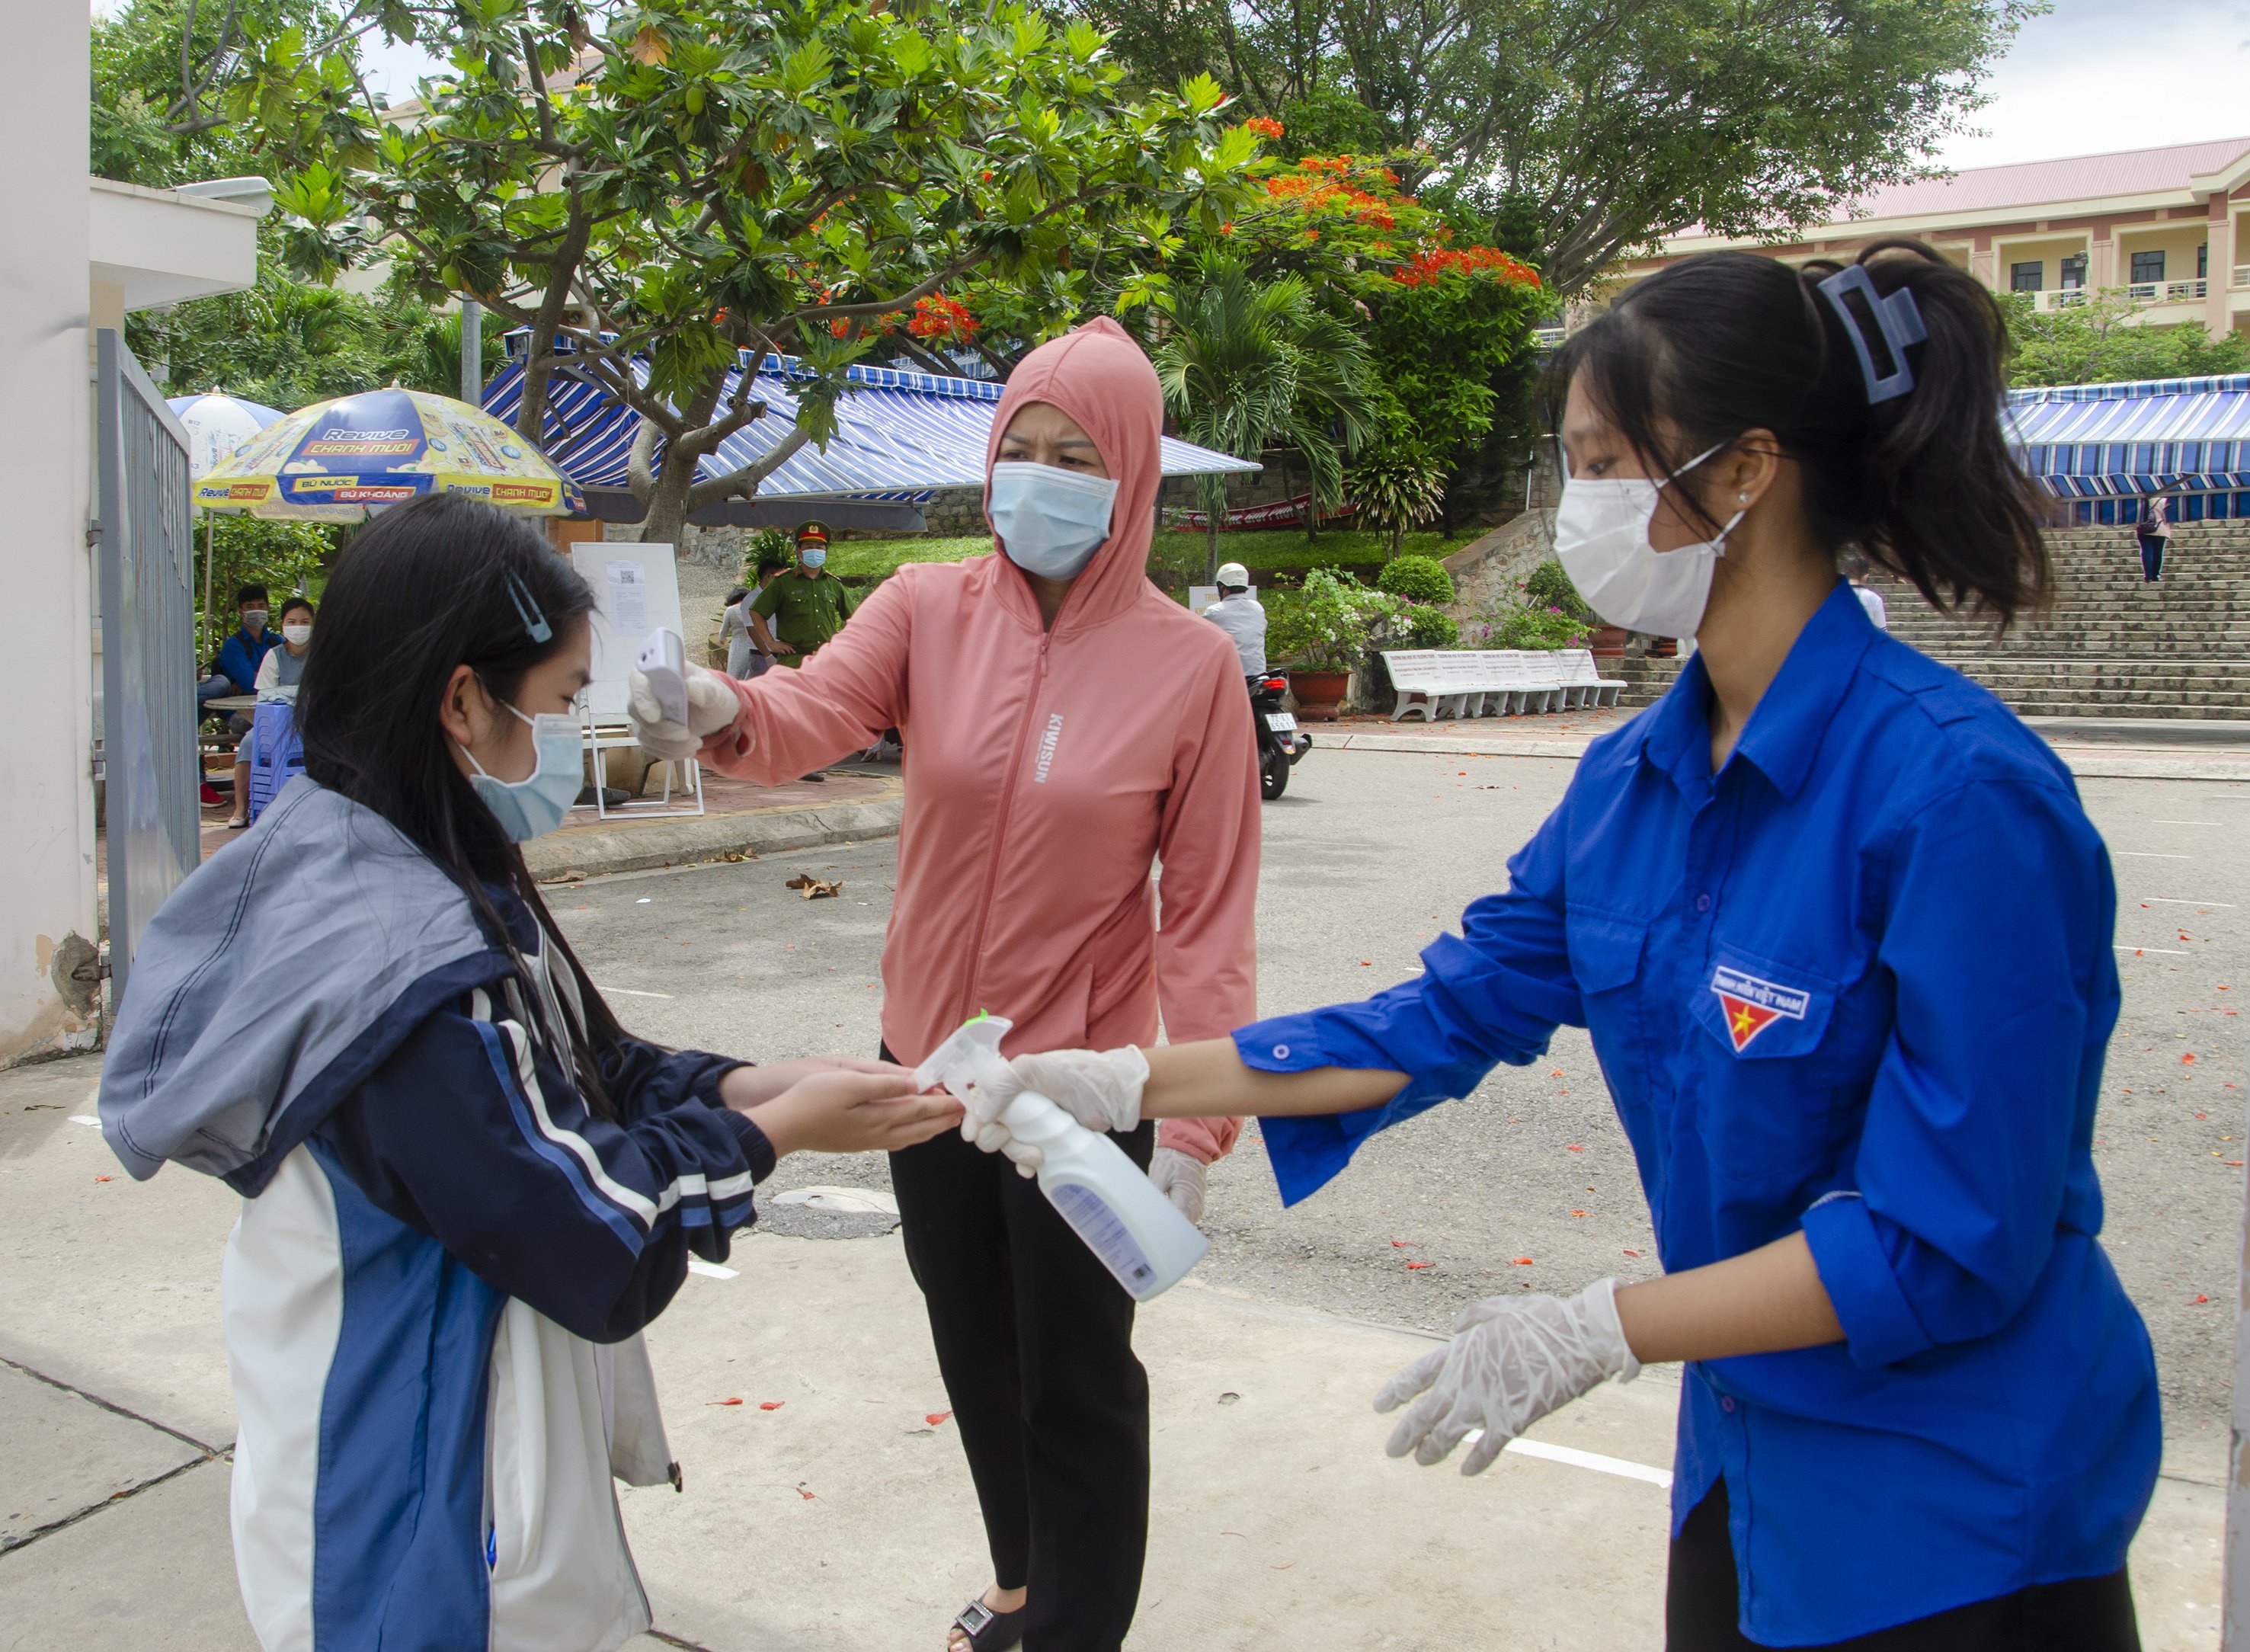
1108, 1199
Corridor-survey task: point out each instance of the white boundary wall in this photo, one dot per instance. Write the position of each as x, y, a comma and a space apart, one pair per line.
46, 793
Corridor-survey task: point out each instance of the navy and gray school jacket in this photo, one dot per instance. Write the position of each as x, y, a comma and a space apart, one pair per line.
433, 1297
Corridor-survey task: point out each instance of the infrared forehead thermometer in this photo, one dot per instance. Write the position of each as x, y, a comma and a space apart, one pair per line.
663, 662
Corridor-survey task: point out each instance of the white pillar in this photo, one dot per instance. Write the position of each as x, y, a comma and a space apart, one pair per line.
47, 806
2219, 267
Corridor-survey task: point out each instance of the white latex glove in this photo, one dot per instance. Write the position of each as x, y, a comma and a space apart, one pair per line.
712, 706
1099, 1089
1179, 1177
1512, 1360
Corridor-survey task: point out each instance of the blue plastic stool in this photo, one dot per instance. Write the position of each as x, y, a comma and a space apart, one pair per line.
277, 752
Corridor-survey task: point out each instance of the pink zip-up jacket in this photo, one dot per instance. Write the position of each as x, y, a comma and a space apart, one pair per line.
1048, 771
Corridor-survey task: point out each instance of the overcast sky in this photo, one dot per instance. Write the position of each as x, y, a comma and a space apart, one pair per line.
2095, 75
2090, 76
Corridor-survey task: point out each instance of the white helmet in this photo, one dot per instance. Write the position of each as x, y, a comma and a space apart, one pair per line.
1233, 575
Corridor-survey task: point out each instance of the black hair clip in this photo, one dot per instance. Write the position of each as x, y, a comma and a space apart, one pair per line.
1898, 317
527, 609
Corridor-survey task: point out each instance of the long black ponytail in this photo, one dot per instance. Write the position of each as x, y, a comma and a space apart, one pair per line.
437, 583
1922, 484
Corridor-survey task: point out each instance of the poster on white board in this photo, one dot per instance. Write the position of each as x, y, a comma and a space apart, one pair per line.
636, 588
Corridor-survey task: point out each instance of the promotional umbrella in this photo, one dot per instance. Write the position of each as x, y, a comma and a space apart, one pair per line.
216, 425
337, 460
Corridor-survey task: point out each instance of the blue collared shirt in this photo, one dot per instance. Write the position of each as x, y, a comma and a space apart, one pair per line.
241, 654
1859, 983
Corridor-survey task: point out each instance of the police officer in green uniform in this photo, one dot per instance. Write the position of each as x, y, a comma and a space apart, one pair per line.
803, 607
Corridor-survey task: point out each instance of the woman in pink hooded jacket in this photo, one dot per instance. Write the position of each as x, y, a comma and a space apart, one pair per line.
1066, 727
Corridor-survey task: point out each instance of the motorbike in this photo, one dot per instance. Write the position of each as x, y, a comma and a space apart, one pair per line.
1282, 746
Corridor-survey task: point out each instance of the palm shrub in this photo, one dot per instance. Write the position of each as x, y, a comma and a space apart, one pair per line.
1397, 487
762, 542
1247, 365
1416, 578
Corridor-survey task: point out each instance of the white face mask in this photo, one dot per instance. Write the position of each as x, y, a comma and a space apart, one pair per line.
1601, 539
535, 805
1049, 521
296, 636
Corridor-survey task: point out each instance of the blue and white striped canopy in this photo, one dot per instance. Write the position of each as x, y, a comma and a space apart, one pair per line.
2121, 441
899, 436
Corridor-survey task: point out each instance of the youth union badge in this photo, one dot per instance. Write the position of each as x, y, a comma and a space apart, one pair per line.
1753, 1004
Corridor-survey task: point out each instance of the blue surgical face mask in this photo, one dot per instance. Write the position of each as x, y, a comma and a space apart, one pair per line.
1049, 521
813, 556
534, 805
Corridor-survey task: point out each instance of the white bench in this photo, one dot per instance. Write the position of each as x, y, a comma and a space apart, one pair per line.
1434, 683
1584, 678
1414, 675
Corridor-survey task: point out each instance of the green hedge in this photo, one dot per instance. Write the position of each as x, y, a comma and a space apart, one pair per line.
1281, 550
1416, 578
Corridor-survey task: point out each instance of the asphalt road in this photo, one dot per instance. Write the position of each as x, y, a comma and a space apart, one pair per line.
1528, 1184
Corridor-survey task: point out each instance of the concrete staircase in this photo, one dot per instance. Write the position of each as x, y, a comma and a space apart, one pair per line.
2108, 645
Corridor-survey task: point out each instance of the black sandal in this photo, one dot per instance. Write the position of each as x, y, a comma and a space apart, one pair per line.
990, 1631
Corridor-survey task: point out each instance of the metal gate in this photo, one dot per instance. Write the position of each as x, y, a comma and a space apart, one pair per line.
143, 521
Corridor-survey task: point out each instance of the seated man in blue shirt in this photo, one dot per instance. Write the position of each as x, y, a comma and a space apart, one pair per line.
242, 653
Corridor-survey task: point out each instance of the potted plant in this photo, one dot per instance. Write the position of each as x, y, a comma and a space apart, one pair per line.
1320, 634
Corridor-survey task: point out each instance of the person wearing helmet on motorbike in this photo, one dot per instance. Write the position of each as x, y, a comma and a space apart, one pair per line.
1238, 613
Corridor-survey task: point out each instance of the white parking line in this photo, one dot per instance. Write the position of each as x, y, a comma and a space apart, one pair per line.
2150, 854
629, 993
2171, 900
1579, 1459
2210, 823
2169, 951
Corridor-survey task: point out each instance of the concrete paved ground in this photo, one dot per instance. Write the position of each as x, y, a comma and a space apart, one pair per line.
110, 1288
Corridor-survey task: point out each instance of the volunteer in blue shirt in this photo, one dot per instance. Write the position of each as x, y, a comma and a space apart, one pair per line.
1841, 933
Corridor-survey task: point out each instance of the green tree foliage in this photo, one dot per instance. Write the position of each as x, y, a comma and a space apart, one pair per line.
284, 342
689, 184
1446, 321
1416, 578
1247, 365
2104, 340
284, 557
1605, 124
287, 343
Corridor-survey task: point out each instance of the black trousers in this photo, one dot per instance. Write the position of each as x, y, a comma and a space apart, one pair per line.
2084, 1614
2153, 547
1035, 1342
